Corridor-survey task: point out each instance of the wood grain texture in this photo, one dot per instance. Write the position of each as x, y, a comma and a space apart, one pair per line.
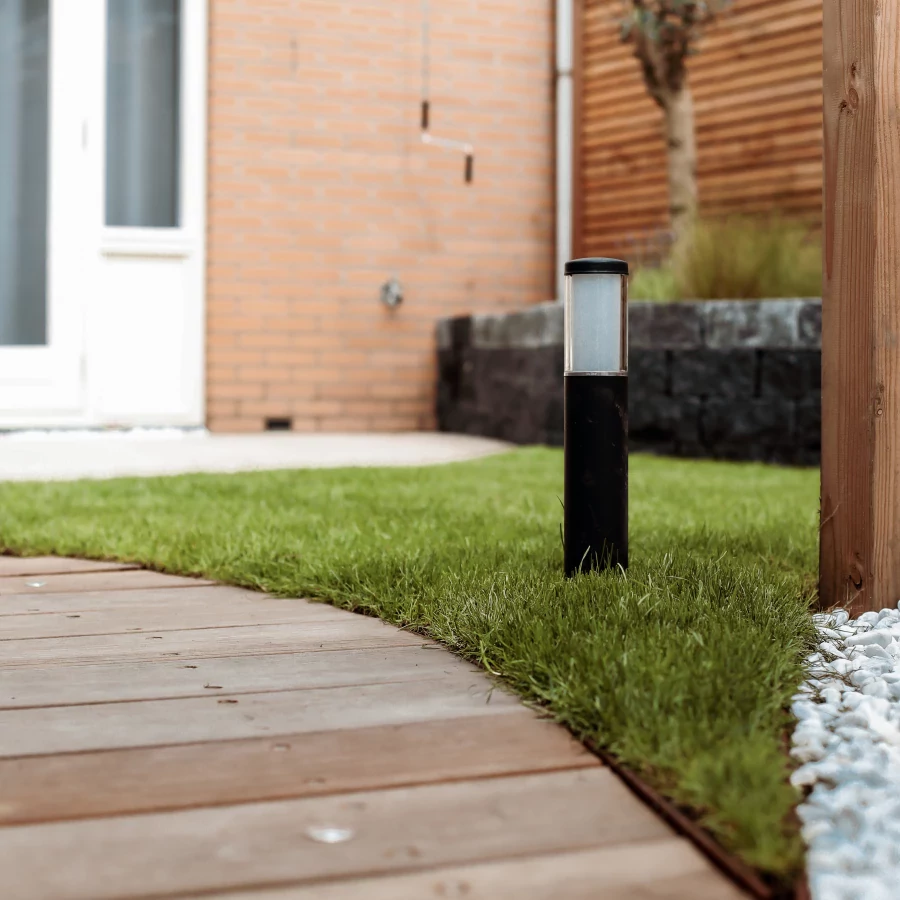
207, 643
71, 729
666, 869
208, 597
142, 617
860, 529
120, 580
886, 307
110, 782
757, 76
259, 844
47, 565
167, 678
198, 759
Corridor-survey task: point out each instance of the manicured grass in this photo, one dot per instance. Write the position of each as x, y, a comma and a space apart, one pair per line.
683, 667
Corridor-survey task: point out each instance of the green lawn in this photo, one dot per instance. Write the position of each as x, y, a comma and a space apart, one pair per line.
683, 667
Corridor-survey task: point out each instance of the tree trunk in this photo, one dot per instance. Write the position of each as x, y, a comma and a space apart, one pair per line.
681, 150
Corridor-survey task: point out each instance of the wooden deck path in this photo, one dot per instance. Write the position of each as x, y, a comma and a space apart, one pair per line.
168, 737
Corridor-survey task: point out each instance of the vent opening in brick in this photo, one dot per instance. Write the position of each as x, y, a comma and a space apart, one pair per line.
284, 424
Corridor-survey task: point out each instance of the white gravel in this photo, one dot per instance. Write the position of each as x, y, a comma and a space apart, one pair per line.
848, 743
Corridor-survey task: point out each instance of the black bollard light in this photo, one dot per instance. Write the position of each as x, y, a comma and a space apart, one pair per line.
596, 414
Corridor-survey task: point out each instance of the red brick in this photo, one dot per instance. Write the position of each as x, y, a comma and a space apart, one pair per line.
320, 190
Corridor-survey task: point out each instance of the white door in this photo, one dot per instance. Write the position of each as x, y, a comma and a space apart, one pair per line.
125, 222
42, 204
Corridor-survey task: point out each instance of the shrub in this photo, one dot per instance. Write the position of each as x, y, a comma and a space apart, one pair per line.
737, 259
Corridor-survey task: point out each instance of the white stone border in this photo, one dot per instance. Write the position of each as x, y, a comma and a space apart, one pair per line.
848, 743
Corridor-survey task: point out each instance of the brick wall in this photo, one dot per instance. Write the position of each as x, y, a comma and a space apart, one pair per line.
724, 379
319, 191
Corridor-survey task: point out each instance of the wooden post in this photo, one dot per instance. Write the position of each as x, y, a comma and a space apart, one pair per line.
860, 526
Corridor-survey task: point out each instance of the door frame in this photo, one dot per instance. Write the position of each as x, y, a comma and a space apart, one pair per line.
187, 242
59, 384
46, 381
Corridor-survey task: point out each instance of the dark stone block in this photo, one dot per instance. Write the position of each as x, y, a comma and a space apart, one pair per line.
536, 326
808, 424
554, 413
468, 380
714, 373
751, 423
805, 457
648, 372
753, 324
664, 326
657, 420
790, 373
743, 402
461, 331
810, 324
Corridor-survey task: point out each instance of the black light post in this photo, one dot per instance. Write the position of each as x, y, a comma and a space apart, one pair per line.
596, 414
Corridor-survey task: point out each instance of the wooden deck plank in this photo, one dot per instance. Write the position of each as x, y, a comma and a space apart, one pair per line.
85, 785
120, 580
666, 869
177, 598
262, 844
205, 643
47, 565
197, 759
123, 619
167, 678
103, 726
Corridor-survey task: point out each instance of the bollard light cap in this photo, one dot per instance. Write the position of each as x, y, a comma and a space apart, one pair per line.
596, 265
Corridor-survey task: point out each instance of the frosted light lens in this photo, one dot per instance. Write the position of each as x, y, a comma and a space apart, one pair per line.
594, 326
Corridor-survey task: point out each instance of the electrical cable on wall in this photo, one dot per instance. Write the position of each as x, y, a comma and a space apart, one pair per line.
427, 137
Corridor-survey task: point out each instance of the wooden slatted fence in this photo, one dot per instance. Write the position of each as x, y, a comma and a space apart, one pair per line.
757, 86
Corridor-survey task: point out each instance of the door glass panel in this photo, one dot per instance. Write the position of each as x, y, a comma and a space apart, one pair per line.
24, 82
142, 113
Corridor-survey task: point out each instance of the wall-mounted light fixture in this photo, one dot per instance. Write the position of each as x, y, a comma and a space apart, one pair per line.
596, 414
391, 293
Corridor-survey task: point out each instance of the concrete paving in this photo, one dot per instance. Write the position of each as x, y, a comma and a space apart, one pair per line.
63, 456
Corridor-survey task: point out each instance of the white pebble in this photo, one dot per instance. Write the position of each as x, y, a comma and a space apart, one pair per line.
847, 741
868, 637
875, 689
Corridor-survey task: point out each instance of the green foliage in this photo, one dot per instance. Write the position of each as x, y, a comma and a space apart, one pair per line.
648, 283
664, 33
684, 666
737, 259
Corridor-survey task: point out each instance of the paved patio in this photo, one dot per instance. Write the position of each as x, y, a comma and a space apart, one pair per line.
170, 737
65, 455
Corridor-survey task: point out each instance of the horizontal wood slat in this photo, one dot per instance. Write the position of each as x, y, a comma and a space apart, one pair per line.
128, 771
129, 579
209, 598
653, 870
73, 729
47, 565
30, 686
124, 619
110, 782
261, 844
757, 88
206, 643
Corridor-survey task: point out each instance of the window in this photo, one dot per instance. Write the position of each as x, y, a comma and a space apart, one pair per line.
142, 113
24, 117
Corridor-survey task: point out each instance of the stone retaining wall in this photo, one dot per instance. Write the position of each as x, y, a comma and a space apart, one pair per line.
725, 379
